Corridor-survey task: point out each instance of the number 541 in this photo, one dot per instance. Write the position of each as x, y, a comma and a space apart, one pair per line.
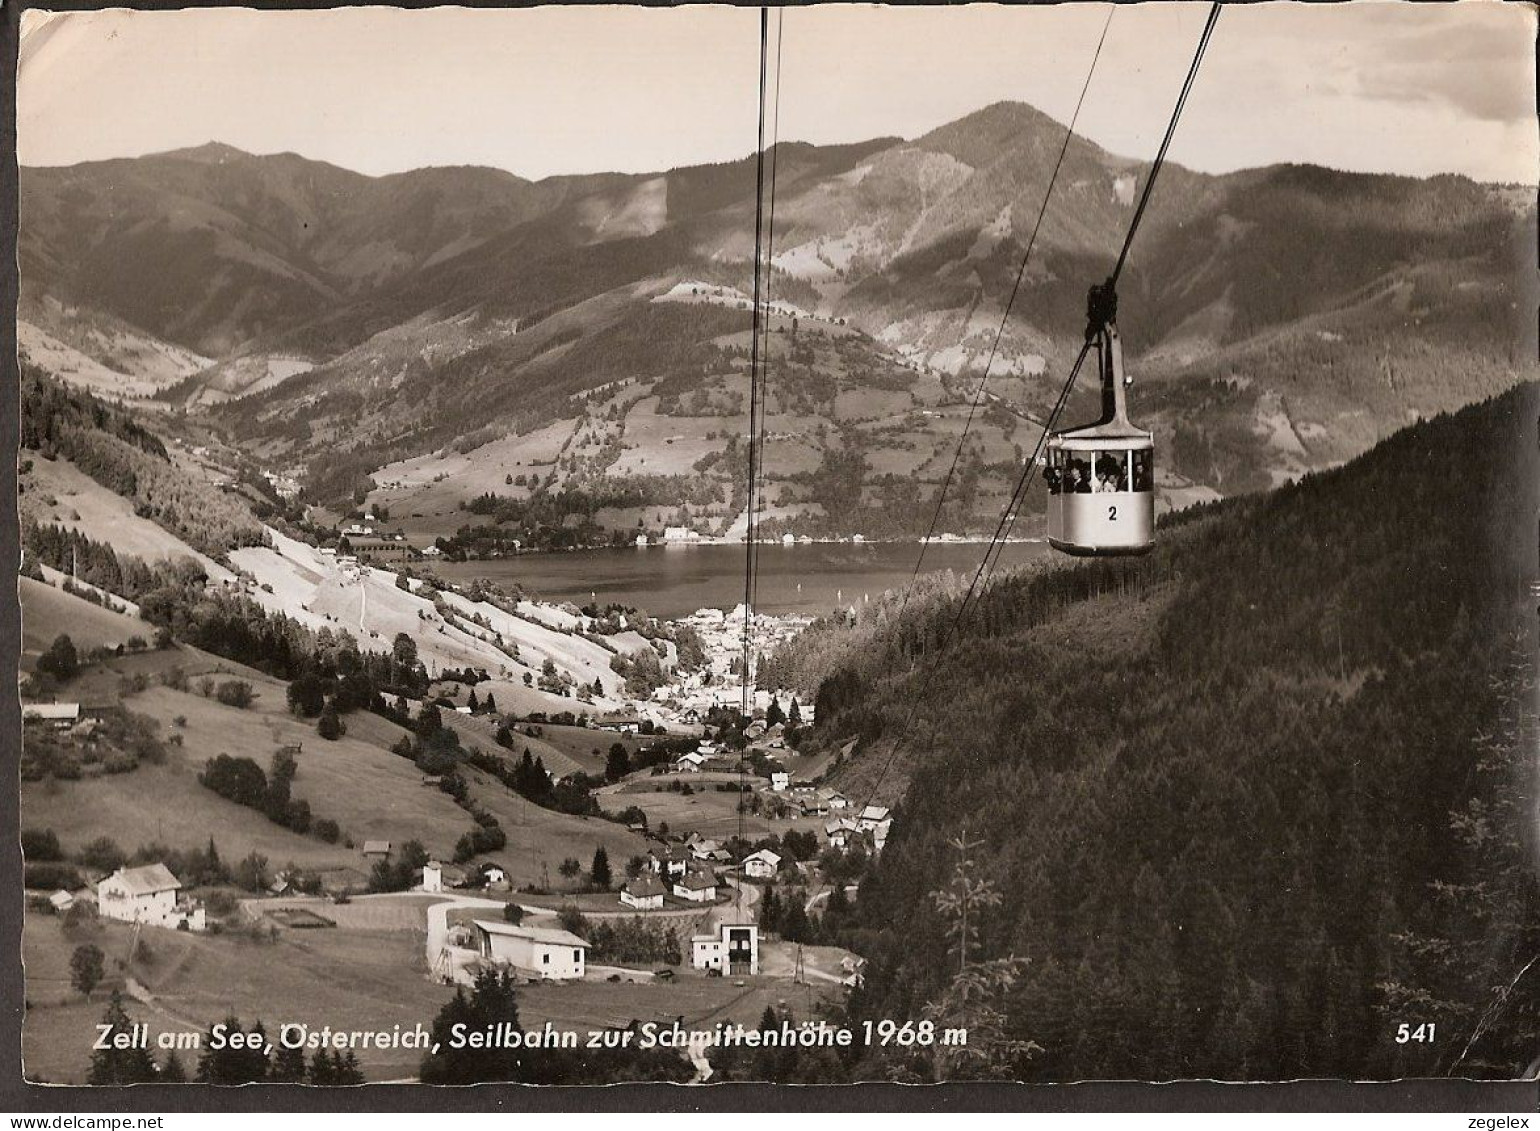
1422, 1034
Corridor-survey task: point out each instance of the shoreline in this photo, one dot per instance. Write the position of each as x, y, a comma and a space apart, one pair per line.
741, 543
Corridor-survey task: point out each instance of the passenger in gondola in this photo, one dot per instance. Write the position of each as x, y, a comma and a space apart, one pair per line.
1054, 478
1109, 474
1080, 480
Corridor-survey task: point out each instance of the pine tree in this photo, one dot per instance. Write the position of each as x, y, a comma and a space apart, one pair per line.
230, 1065
321, 1071
173, 1071
288, 1066
493, 1000
600, 869
120, 1066
345, 1070
770, 911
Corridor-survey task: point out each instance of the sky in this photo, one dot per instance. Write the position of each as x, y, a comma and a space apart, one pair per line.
1368, 85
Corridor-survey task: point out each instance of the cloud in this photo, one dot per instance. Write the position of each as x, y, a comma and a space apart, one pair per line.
1480, 66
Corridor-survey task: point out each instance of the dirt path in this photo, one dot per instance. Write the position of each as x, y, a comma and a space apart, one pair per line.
145, 997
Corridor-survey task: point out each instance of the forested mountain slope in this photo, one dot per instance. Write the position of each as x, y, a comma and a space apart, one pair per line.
1250, 803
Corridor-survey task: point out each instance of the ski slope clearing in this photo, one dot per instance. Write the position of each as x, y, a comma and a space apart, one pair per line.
300, 581
59, 493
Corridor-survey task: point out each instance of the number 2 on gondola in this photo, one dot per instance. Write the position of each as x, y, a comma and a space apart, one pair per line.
1112, 514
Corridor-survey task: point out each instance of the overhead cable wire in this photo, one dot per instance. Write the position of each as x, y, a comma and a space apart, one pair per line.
1021, 271
754, 338
1008, 516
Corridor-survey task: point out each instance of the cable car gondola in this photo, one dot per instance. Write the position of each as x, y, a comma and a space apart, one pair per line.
1101, 476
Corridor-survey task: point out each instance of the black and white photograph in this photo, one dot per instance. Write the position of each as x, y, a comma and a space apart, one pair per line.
835, 544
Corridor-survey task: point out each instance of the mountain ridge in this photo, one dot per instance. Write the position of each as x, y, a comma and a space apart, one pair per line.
398, 300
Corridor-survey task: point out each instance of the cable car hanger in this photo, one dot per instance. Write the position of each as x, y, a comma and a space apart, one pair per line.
1100, 476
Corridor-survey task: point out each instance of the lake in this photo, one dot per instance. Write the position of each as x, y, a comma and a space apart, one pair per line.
674, 580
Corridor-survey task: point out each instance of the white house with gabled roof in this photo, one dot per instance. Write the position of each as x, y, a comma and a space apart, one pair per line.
761, 865
698, 887
645, 893
542, 952
148, 894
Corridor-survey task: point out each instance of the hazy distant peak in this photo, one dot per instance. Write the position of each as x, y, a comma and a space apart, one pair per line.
210, 152
979, 138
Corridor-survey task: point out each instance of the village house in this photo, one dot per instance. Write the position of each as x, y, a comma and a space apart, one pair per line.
834, 800
539, 952
704, 849
691, 762
872, 816
697, 887
668, 860
733, 951
58, 716
148, 894
761, 865
840, 831
645, 893
780, 781
812, 803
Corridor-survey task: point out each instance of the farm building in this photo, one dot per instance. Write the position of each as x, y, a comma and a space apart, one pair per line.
761, 865
691, 762
645, 893
376, 848
541, 952
734, 950
342, 881
374, 549
437, 876
148, 894
698, 887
